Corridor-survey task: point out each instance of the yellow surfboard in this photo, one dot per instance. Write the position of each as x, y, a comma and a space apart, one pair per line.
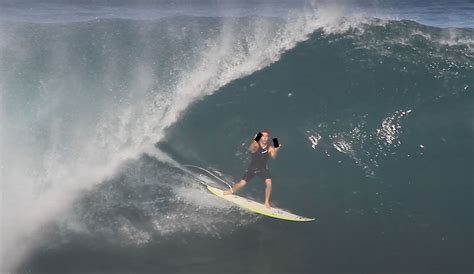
258, 207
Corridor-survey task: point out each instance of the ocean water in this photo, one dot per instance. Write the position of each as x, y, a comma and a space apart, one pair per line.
103, 104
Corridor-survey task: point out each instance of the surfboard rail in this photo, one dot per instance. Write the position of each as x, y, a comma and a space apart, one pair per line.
258, 207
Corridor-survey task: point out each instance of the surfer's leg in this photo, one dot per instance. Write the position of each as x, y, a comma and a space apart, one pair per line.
247, 176
236, 187
268, 191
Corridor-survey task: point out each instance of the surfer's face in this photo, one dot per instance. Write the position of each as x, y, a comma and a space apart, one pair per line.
265, 137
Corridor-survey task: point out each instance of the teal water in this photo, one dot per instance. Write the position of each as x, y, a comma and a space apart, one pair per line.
99, 115
377, 145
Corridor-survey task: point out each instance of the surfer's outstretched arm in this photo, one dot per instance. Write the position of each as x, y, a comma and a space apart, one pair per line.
253, 147
274, 151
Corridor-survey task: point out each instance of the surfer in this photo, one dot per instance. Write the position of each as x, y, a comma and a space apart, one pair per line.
260, 150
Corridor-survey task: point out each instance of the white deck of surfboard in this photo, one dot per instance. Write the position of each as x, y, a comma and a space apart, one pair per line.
258, 207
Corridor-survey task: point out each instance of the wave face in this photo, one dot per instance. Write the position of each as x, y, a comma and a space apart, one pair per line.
376, 127
80, 98
375, 119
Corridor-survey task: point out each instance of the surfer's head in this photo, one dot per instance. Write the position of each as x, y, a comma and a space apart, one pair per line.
265, 135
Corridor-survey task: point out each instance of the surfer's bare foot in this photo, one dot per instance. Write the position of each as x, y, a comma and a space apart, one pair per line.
267, 205
227, 192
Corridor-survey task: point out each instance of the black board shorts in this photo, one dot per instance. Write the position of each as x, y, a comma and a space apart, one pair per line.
262, 173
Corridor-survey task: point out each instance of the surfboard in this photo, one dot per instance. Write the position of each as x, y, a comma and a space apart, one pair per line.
258, 207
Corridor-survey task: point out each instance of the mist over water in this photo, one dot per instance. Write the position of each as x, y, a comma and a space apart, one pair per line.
101, 107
